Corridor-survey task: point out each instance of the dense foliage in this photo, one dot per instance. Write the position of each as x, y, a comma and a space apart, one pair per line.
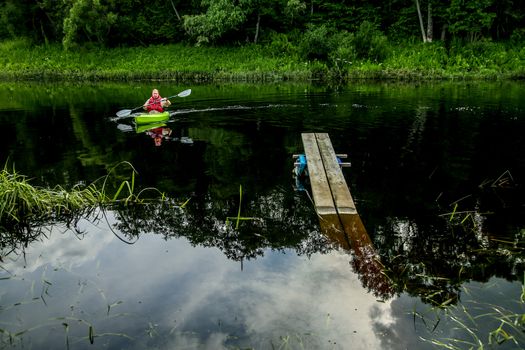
279, 39
141, 22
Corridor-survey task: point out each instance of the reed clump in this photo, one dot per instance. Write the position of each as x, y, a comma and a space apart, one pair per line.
23, 205
21, 202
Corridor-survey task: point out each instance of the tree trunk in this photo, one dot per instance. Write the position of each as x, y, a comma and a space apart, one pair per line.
421, 21
443, 32
44, 33
430, 29
174, 9
257, 28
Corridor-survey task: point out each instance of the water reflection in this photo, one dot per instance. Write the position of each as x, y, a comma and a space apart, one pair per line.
192, 296
416, 151
176, 286
350, 234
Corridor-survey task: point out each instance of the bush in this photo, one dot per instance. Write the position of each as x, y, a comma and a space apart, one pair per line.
343, 56
478, 55
518, 37
370, 43
315, 44
281, 45
318, 70
344, 47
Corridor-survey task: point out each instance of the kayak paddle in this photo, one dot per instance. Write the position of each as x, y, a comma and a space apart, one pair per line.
126, 112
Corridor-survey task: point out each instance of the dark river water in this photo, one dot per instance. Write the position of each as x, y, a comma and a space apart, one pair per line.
437, 175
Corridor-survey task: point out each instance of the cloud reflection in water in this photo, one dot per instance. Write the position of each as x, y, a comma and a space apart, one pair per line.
173, 295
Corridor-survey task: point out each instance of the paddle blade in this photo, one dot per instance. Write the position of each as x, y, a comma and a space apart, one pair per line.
124, 113
184, 93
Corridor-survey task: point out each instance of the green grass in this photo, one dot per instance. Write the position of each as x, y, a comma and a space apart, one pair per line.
21, 60
479, 60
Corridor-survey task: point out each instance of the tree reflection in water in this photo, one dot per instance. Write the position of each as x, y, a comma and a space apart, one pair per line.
278, 228
432, 257
429, 259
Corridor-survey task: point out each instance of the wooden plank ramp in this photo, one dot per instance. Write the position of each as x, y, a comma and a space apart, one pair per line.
321, 192
329, 189
338, 216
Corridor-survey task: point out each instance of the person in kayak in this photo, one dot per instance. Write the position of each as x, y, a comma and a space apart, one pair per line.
156, 104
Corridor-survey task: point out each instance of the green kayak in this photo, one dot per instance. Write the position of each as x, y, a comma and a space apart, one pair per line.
146, 118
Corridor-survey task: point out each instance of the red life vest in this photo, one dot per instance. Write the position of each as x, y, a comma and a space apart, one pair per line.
155, 104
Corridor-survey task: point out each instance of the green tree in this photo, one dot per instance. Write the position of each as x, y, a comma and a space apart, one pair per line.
274, 15
370, 43
470, 18
13, 21
221, 16
149, 22
345, 15
509, 16
316, 43
227, 19
50, 19
145, 22
87, 20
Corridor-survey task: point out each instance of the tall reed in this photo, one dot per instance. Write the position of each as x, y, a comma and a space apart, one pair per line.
238, 218
23, 206
21, 202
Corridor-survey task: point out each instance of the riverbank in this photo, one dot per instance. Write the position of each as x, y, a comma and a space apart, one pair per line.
417, 61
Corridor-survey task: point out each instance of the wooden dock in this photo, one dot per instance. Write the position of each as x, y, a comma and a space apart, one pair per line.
338, 216
329, 189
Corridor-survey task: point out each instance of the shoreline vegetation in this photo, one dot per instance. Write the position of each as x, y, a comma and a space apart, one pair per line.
21, 60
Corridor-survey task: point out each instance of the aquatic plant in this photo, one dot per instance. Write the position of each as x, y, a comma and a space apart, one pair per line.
472, 219
239, 218
25, 209
478, 324
24, 206
21, 202
75, 319
475, 323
